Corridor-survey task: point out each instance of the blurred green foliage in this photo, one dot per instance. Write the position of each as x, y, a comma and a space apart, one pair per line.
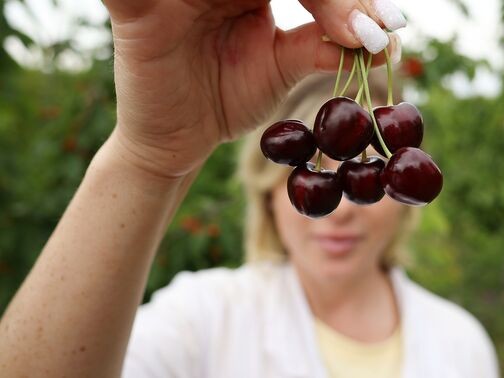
52, 123
458, 249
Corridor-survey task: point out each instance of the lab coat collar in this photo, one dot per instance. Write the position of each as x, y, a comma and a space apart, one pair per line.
290, 339
423, 356
290, 336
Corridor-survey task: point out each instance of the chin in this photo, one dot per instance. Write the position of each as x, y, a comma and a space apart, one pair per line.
348, 268
338, 271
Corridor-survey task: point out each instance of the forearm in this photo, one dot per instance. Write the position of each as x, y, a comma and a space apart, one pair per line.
73, 314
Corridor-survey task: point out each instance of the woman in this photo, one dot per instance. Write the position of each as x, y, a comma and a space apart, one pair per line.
189, 75
317, 298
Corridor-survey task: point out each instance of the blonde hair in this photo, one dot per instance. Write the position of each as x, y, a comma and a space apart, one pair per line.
260, 175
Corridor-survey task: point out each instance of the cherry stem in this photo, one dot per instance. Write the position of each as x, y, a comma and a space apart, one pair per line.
390, 97
340, 70
318, 166
361, 84
370, 105
358, 98
350, 77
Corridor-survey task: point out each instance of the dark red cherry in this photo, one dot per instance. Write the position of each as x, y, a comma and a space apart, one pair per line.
400, 126
288, 142
360, 180
342, 128
412, 177
313, 193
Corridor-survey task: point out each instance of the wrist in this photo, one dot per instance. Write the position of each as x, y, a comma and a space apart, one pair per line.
118, 158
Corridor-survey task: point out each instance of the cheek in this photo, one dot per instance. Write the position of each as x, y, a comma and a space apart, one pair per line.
384, 220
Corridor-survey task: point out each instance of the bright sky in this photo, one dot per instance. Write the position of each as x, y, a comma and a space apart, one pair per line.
478, 35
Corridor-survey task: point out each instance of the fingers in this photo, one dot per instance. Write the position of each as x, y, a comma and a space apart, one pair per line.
302, 51
354, 23
386, 13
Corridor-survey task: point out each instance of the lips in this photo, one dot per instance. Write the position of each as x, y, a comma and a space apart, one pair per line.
337, 245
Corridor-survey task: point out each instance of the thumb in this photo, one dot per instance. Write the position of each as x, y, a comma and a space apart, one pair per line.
303, 50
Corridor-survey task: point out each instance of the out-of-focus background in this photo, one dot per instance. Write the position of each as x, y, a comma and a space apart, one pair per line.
57, 107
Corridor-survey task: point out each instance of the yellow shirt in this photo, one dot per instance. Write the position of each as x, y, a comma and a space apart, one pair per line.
347, 358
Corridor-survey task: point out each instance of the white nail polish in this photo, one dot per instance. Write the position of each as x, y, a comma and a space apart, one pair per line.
389, 14
368, 32
395, 56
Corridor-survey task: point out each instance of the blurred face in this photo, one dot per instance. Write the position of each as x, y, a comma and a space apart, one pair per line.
344, 245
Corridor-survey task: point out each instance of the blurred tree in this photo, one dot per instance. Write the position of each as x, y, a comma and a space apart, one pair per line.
461, 6
6, 62
458, 250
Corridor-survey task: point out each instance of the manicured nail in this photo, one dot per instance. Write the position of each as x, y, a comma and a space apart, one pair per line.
389, 14
368, 32
396, 54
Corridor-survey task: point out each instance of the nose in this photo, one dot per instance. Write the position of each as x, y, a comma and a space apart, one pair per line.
344, 212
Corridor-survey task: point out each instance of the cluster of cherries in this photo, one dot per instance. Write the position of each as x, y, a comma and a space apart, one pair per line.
342, 131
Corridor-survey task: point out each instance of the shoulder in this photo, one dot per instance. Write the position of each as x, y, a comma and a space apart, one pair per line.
176, 332
244, 274
447, 327
224, 284
449, 318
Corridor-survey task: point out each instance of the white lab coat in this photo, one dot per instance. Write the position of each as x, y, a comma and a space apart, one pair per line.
255, 322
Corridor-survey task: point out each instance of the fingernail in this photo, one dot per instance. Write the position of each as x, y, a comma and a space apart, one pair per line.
325, 38
396, 54
368, 32
389, 14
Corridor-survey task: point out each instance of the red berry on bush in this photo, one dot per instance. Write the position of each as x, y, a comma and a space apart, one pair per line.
413, 67
69, 144
191, 224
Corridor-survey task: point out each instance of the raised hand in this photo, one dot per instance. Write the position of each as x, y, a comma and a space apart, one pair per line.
191, 74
